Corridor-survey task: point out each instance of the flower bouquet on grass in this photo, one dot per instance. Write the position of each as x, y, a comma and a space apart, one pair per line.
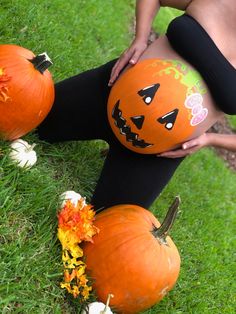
75, 224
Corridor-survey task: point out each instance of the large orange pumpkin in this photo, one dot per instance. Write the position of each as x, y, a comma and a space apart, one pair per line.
132, 257
147, 105
26, 90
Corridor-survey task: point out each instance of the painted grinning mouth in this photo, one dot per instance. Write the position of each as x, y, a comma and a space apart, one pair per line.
125, 129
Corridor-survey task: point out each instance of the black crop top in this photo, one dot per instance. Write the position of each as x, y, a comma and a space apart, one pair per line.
192, 42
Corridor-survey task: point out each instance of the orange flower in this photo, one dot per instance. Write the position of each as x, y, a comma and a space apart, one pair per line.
75, 224
78, 221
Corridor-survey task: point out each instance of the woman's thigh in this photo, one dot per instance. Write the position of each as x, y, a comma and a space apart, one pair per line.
131, 178
79, 111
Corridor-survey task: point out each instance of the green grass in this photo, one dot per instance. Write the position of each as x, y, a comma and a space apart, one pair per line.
232, 122
78, 35
165, 15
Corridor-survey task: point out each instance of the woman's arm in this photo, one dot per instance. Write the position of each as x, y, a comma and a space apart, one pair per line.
146, 10
225, 141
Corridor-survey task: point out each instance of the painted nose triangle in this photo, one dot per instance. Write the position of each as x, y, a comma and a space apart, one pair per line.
138, 121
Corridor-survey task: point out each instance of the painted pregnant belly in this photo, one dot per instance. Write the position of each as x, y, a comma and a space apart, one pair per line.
156, 105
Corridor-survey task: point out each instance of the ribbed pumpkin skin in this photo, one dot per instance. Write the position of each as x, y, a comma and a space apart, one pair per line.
128, 261
26, 95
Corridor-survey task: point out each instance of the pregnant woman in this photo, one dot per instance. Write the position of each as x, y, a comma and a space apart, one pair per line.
165, 98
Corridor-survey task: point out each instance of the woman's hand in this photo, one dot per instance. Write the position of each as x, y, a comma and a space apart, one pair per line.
131, 55
188, 148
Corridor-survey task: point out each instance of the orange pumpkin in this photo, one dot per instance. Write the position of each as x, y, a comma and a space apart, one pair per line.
146, 106
132, 257
26, 90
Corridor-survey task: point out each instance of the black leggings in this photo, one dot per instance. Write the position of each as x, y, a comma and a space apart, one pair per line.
79, 113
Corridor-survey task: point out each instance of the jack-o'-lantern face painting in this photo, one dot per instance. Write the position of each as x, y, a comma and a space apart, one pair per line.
156, 105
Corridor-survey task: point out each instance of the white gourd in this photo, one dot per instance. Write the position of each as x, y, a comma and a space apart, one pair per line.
98, 307
22, 153
72, 196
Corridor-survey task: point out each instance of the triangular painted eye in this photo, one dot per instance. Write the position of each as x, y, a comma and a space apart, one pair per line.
138, 121
169, 119
148, 93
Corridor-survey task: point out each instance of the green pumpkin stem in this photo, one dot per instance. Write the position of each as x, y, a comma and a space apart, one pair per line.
162, 232
41, 62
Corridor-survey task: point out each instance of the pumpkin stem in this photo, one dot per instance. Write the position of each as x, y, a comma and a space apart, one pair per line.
162, 232
107, 303
41, 62
30, 148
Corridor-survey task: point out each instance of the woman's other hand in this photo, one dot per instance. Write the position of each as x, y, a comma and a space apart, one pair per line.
131, 56
188, 148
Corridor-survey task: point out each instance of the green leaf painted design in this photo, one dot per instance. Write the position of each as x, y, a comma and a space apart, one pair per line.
187, 76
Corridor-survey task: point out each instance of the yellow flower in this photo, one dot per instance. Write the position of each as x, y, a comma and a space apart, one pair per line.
75, 291
65, 285
85, 292
83, 280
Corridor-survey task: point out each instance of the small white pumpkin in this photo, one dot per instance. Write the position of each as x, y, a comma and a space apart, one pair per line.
22, 153
99, 307
72, 196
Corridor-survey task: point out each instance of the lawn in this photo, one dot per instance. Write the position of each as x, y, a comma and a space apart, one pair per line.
78, 35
